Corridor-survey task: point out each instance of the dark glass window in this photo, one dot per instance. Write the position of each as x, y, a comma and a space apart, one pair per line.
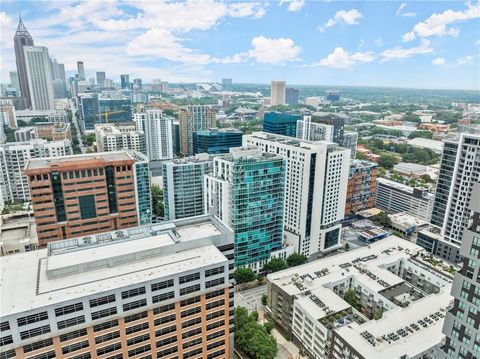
87, 206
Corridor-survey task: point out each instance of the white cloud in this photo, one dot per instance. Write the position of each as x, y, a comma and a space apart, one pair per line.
246, 9
406, 14
273, 51
401, 53
408, 36
436, 24
464, 60
296, 5
342, 59
438, 61
349, 17
379, 42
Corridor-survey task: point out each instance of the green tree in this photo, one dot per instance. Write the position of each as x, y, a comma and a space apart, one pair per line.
264, 299
351, 298
383, 219
412, 182
268, 327
171, 113
275, 265
157, 201
421, 134
387, 161
296, 259
382, 172
244, 275
347, 246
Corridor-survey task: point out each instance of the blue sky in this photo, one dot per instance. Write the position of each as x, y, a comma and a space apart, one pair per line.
420, 44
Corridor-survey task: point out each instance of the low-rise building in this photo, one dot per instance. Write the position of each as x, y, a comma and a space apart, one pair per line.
155, 291
394, 197
115, 137
381, 301
17, 233
406, 224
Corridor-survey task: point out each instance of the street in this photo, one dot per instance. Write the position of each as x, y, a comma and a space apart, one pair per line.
75, 123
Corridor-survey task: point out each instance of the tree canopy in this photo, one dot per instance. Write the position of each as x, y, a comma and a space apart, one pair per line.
244, 275
296, 259
275, 265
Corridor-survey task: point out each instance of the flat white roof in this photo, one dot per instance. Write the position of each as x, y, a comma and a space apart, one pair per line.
26, 282
414, 342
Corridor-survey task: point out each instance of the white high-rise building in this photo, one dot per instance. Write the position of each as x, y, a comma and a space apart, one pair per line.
39, 74
313, 131
114, 137
315, 189
13, 158
277, 93
158, 132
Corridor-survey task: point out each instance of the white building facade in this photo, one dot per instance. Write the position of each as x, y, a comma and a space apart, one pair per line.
158, 133
40, 77
315, 189
313, 131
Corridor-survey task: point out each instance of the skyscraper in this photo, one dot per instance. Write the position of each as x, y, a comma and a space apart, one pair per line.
194, 118
312, 131
246, 191
125, 82
100, 77
316, 187
81, 71
22, 38
183, 186
459, 170
158, 133
335, 120
14, 82
37, 63
88, 193
291, 96
137, 83
277, 93
462, 321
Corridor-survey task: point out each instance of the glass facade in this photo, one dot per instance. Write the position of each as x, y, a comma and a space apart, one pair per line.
87, 206
281, 123
58, 197
216, 141
111, 191
144, 199
258, 192
88, 108
119, 110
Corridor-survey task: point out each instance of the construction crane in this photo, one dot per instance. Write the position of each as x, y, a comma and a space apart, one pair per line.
107, 113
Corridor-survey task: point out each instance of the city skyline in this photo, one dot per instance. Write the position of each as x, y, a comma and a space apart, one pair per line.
392, 44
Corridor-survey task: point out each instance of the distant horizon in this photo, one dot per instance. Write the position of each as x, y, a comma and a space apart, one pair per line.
391, 44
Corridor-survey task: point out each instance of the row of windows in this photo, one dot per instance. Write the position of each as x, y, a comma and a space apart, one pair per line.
136, 328
73, 335
139, 350
107, 337
33, 318
164, 308
37, 345
71, 322
189, 278
139, 339
35, 332
104, 313
133, 292
136, 316
166, 330
134, 305
191, 311
166, 341
74, 347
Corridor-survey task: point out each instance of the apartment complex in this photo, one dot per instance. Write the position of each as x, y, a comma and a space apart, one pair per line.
246, 191
87, 194
362, 186
312, 131
157, 291
216, 141
332, 119
316, 179
13, 158
394, 197
114, 137
462, 322
280, 123
183, 186
194, 118
157, 128
350, 140
53, 131
380, 301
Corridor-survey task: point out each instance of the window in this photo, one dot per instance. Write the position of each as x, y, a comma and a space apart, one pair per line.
189, 278
214, 271
216, 345
215, 293
133, 292
6, 340
139, 350
191, 311
166, 341
215, 315
87, 206
73, 335
136, 316
166, 352
191, 333
107, 337
106, 325
218, 324
109, 348
191, 322
214, 282
104, 313
218, 334
136, 328
164, 308
166, 330
37, 345
216, 354
4, 326
139, 339
35, 332
74, 347
215, 304
70, 322
191, 289
68, 309
102, 300
192, 343
134, 305
190, 301
29, 319
162, 297
49, 355
165, 319
192, 353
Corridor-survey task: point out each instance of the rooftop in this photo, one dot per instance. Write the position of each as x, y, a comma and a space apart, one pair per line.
292, 141
92, 158
75, 268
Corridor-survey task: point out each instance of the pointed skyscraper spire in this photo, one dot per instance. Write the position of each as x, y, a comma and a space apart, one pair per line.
21, 29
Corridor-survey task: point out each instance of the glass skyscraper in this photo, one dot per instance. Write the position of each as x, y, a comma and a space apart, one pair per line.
247, 192
142, 181
284, 124
216, 141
